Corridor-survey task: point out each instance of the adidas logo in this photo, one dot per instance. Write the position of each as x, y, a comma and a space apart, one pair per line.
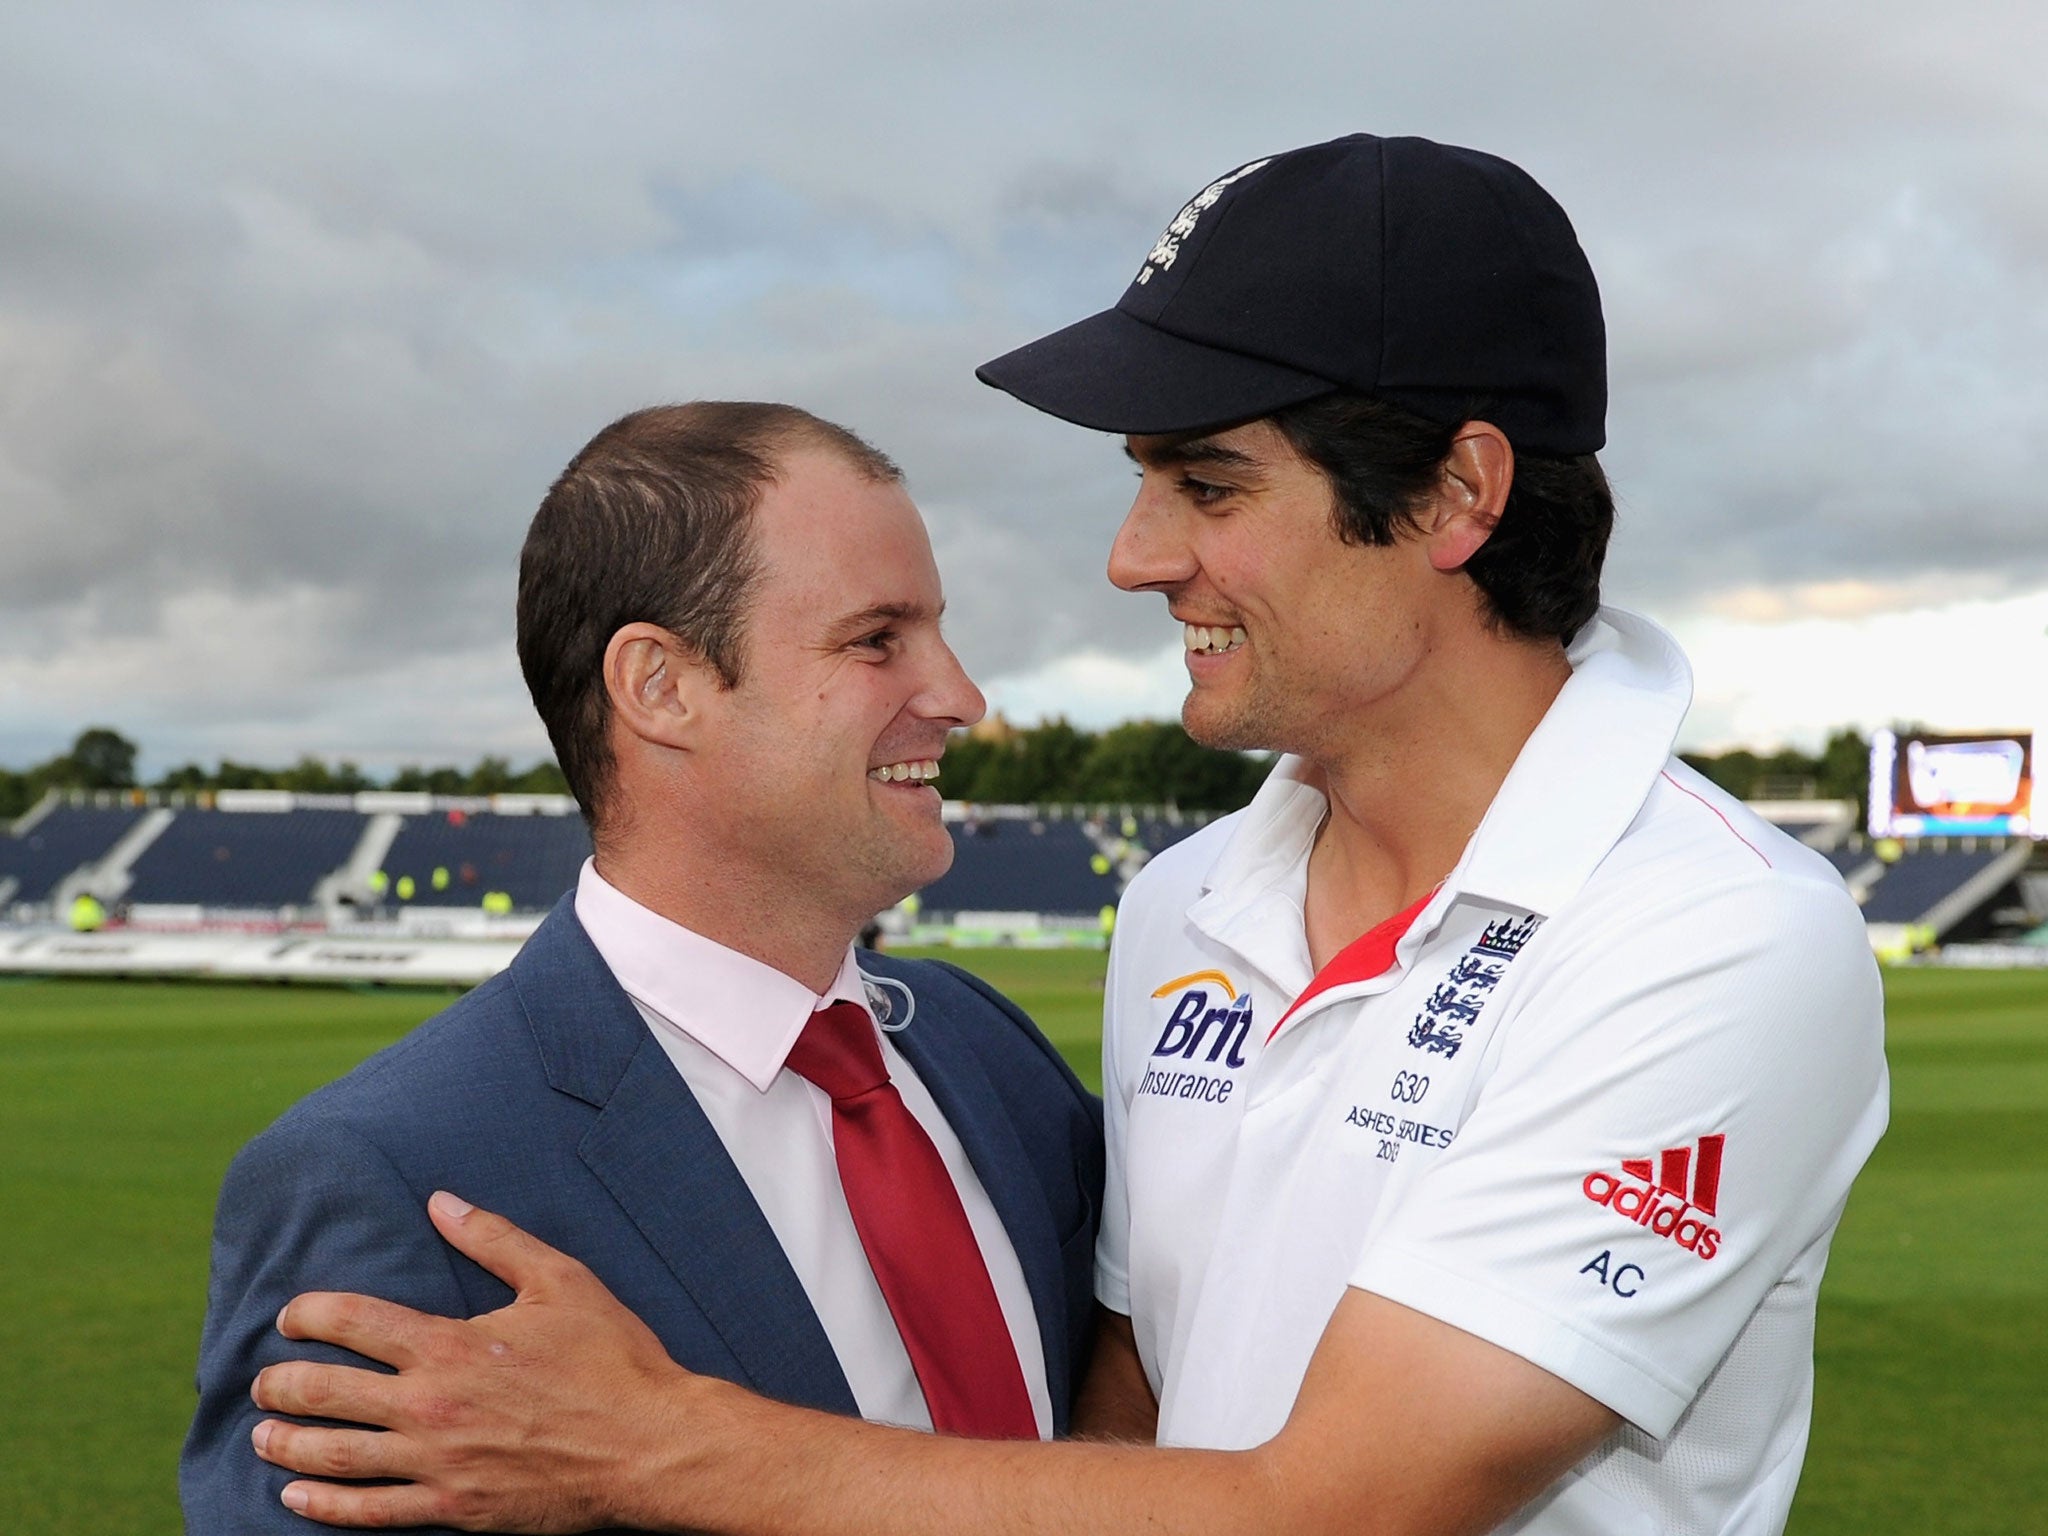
1682, 1186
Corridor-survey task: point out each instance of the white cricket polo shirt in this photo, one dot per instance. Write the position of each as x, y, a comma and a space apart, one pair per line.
1598, 1102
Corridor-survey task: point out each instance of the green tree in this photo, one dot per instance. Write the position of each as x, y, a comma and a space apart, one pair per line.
1154, 762
1844, 770
15, 794
433, 781
312, 776
1050, 758
234, 775
99, 759
186, 778
491, 776
543, 778
966, 762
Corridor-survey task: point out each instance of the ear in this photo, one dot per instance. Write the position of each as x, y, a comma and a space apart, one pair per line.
1477, 474
656, 686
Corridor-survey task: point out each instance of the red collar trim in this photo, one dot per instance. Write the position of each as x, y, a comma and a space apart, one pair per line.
1369, 955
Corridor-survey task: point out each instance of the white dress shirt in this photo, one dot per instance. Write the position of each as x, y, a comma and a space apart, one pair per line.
728, 1021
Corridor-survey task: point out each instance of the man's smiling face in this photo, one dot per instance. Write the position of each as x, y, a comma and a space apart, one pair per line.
1292, 634
825, 750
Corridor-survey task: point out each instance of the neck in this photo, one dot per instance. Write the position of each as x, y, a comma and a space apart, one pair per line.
1408, 786
679, 878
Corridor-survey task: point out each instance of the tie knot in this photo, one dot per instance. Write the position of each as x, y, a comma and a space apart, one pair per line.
839, 1052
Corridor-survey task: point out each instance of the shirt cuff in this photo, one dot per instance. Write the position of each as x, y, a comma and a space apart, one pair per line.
1633, 1387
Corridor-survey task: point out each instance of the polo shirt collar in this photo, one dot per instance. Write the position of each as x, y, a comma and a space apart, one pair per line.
742, 1010
1575, 786
1585, 771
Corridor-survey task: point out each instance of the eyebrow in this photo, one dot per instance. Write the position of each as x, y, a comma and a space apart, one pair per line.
878, 614
1192, 450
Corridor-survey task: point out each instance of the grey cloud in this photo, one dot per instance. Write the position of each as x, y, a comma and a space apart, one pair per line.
304, 306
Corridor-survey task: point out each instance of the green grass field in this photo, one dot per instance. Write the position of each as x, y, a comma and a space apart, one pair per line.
120, 1104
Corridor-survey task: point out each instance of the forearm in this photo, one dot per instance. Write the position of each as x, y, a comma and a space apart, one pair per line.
743, 1466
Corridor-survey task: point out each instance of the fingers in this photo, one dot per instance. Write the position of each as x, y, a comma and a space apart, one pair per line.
375, 1508
514, 1255
315, 1391
329, 1452
382, 1330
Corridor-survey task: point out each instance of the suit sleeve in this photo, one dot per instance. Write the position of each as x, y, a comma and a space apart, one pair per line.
1113, 1247
308, 1205
1085, 1119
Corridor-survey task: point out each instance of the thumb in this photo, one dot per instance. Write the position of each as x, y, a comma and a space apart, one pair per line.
511, 1253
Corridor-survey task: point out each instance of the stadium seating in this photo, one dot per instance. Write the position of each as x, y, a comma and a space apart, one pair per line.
533, 859
1014, 865
448, 856
65, 839
1157, 835
244, 860
1913, 886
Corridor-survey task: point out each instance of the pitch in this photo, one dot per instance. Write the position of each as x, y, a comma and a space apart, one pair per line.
120, 1104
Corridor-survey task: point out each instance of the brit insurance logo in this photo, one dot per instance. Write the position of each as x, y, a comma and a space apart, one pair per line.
1206, 1027
1669, 1196
1454, 1005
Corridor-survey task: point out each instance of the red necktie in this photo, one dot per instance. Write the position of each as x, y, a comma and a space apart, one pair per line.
916, 1235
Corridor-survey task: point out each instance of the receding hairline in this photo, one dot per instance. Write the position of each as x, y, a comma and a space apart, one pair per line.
762, 430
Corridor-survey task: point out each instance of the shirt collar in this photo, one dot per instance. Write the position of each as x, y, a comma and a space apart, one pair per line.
1575, 786
745, 1012
1585, 771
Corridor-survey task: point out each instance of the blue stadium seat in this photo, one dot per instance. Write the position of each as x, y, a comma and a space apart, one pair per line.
244, 859
533, 859
65, 839
1918, 882
1005, 865
1158, 835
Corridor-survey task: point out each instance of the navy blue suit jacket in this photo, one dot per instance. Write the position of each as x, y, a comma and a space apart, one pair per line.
544, 1096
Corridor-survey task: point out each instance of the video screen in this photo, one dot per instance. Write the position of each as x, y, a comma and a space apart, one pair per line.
1981, 784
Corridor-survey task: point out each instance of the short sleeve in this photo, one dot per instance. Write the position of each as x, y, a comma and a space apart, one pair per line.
1670, 1115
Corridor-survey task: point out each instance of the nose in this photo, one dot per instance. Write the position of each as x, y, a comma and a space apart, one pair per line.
1148, 554
949, 693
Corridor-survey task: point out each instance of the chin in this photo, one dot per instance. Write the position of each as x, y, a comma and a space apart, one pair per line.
1218, 728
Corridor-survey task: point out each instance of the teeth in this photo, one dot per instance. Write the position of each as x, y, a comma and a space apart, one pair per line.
1212, 640
922, 770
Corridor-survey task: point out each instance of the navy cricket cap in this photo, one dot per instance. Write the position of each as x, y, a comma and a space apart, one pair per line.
1436, 278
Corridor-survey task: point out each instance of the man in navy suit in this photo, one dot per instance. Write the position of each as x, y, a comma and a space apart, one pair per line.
729, 622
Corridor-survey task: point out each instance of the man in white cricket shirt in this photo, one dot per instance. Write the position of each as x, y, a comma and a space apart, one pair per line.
1482, 1099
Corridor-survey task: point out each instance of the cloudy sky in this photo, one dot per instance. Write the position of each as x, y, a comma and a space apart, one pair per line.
302, 306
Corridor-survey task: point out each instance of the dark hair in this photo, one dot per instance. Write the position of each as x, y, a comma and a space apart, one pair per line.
1539, 570
651, 522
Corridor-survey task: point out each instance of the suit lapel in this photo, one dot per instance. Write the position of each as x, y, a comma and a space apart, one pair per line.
974, 1108
657, 1154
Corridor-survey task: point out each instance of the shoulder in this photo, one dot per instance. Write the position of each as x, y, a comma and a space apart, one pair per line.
1706, 921
1697, 859
467, 1063
1687, 817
